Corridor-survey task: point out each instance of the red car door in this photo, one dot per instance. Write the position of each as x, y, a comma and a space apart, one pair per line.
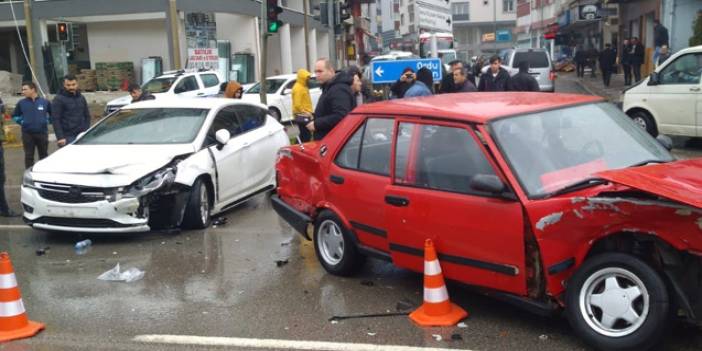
358, 177
479, 236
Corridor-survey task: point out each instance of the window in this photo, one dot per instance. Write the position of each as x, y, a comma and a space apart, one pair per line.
536, 59
250, 117
445, 158
186, 84
684, 70
369, 148
225, 119
507, 5
209, 80
460, 11
402, 19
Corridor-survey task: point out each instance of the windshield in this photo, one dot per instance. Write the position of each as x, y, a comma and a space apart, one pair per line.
550, 150
536, 59
147, 126
158, 85
447, 57
272, 86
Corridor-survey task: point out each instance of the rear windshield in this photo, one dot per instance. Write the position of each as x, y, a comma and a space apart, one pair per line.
536, 59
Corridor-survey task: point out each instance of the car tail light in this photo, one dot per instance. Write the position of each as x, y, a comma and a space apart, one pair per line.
552, 75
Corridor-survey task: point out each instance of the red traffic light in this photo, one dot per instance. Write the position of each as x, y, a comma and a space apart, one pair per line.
62, 31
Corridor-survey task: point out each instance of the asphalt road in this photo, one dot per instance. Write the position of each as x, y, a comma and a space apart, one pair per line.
224, 282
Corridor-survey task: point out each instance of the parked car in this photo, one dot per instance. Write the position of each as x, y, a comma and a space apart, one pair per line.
279, 95
558, 203
175, 83
156, 164
669, 101
540, 66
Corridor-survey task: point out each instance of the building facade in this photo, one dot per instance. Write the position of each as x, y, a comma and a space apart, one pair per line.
483, 26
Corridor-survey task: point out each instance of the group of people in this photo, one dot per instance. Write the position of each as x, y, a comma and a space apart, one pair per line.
68, 113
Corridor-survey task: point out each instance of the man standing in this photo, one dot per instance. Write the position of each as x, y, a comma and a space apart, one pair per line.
422, 85
660, 39
495, 79
580, 61
608, 59
461, 82
70, 113
33, 113
400, 87
335, 102
5, 210
636, 57
592, 56
523, 81
665, 54
138, 95
626, 61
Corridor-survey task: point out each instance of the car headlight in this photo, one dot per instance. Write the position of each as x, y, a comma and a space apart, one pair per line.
159, 179
27, 179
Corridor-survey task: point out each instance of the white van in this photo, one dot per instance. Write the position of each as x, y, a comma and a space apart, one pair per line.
669, 101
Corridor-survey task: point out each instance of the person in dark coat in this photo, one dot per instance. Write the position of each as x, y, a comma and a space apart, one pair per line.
665, 55
138, 95
336, 100
462, 83
626, 61
580, 61
636, 58
608, 58
496, 77
660, 39
69, 112
33, 113
523, 81
592, 56
400, 87
447, 84
5, 210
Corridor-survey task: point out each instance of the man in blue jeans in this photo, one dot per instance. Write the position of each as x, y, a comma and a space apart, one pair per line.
32, 113
5, 210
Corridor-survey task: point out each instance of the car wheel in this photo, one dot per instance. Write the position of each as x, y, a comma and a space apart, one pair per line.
618, 302
274, 113
335, 249
197, 210
645, 121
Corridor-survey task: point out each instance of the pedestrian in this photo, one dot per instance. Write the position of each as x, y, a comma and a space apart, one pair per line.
660, 39
302, 104
357, 85
665, 54
580, 61
462, 83
399, 88
422, 85
495, 79
636, 58
478, 66
33, 113
5, 210
626, 61
447, 84
335, 102
69, 112
608, 58
523, 81
233, 90
592, 57
138, 95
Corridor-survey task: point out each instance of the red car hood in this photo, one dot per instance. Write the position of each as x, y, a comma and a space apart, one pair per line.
679, 181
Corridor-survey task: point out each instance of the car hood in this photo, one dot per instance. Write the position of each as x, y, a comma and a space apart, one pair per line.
105, 165
679, 181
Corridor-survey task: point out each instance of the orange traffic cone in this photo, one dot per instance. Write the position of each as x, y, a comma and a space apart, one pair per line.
437, 310
14, 323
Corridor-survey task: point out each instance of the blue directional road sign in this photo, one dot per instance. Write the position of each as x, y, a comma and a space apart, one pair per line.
389, 71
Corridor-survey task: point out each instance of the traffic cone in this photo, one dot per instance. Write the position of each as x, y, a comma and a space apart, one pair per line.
14, 323
437, 310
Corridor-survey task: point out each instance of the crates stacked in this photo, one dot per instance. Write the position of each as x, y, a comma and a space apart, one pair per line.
87, 80
111, 76
73, 69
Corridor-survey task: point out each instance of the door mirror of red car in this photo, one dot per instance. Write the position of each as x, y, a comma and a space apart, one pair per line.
487, 183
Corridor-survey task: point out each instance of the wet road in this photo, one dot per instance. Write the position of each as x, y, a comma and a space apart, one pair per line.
224, 282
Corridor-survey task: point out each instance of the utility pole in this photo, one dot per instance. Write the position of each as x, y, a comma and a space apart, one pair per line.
305, 9
30, 35
264, 51
175, 38
331, 11
494, 23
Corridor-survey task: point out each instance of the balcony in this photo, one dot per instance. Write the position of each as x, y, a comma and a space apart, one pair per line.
461, 17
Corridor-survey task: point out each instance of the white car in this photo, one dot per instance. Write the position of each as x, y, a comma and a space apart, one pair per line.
175, 83
156, 164
279, 95
669, 101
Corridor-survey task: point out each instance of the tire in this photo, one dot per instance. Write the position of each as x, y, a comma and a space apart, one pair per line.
197, 210
274, 113
644, 120
629, 276
334, 246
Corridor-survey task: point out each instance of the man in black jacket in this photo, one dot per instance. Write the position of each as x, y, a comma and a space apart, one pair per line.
406, 80
608, 58
523, 81
580, 61
461, 81
636, 57
69, 112
626, 61
138, 95
496, 77
335, 102
660, 39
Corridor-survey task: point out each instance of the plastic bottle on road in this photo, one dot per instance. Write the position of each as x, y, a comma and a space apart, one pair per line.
82, 246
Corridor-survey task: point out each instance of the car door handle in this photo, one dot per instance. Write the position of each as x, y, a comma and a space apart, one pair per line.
336, 179
245, 145
695, 89
200, 94
396, 201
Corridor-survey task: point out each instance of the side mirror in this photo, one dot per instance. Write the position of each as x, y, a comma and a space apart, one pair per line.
222, 136
487, 183
287, 91
666, 141
654, 79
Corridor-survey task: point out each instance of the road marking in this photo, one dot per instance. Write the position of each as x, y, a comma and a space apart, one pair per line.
14, 226
274, 343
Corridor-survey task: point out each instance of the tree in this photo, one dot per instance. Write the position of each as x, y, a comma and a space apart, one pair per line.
696, 38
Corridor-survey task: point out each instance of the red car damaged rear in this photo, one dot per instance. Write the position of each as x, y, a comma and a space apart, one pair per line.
556, 203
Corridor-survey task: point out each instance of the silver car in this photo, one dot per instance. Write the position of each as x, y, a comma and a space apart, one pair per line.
540, 65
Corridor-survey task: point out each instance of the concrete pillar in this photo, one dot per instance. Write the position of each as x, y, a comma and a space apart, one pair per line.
14, 56
40, 38
286, 61
313, 48
297, 36
323, 44
173, 32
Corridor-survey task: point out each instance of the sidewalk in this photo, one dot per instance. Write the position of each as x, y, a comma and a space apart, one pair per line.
594, 86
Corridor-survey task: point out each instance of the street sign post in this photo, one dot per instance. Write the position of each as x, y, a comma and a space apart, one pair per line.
385, 72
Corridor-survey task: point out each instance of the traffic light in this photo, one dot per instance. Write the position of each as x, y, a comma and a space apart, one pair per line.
62, 31
344, 11
322, 13
273, 10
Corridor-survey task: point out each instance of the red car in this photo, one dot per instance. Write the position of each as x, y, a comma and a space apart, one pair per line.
554, 201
